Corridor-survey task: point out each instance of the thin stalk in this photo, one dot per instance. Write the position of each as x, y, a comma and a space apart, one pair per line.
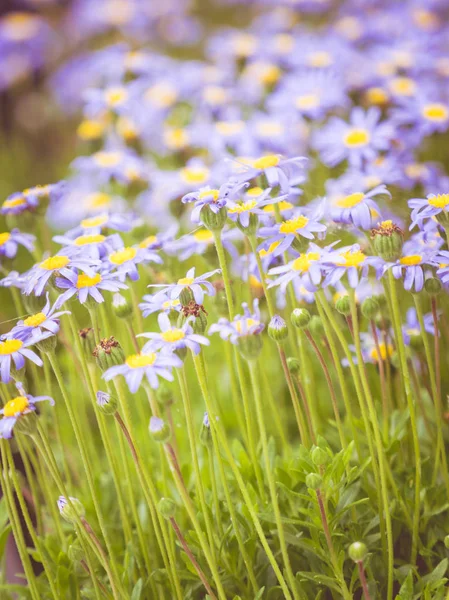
363, 581
412, 410
383, 385
224, 271
253, 369
304, 437
253, 243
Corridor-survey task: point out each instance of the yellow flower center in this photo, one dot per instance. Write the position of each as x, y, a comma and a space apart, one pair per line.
185, 281
283, 205
303, 262
137, 361
85, 240
403, 86
356, 138
351, 259
4, 237
19, 26
376, 95
126, 128
320, 59
207, 193
107, 159
54, 263
255, 283
176, 138
35, 320
9, 347
98, 199
386, 350
265, 162
439, 201
435, 112
194, 175
20, 201
90, 129
115, 96
244, 44
122, 256
351, 200
271, 249
148, 241
173, 335
162, 95
249, 323
229, 127
240, 208
293, 225
203, 235
85, 281
254, 192
15, 406
307, 101
94, 222
410, 261
170, 304
213, 94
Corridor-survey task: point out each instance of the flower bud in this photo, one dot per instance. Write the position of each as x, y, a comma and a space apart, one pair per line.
76, 552
316, 326
213, 221
250, 346
205, 433
253, 225
159, 430
320, 457
313, 481
87, 340
108, 353
195, 314
70, 512
164, 394
343, 305
357, 551
370, 308
293, 365
433, 286
446, 541
300, 317
277, 329
123, 309
388, 240
106, 403
167, 508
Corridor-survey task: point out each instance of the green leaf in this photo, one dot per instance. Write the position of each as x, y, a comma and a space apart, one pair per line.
259, 593
4, 538
406, 591
137, 590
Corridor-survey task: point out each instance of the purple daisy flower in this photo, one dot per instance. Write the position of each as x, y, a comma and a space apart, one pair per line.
442, 260
412, 266
426, 208
307, 269
195, 284
157, 303
11, 240
359, 140
16, 408
358, 208
350, 261
412, 328
47, 319
215, 199
252, 203
93, 244
83, 286
285, 173
15, 349
60, 264
241, 326
151, 365
125, 259
287, 232
173, 338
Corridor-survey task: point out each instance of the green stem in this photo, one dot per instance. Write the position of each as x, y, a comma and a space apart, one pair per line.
224, 271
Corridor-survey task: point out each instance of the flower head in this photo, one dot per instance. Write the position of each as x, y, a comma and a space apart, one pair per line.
171, 339
17, 408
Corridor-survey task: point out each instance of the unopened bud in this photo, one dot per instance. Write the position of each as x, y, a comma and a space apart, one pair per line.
167, 508
343, 305
293, 365
433, 286
195, 315
446, 541
250, 346
213, 221
106, 403
316, 326
72, 511
164, 394
205, 433
313, 481
300, 317
159, 430
370, 308
357, 551
388, 240
320, 457
123, 309
277, 329
48, 344
76, 552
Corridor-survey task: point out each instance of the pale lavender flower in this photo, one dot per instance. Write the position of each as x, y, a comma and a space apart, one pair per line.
171, 339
